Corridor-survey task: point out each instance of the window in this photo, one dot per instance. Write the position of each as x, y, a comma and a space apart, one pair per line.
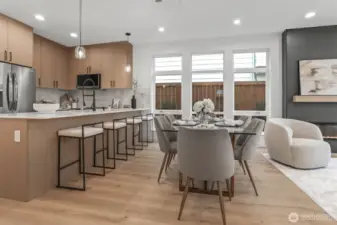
168, 72
250, 70
207, 78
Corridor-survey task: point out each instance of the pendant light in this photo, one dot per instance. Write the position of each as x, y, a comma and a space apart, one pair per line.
128, 66
80, 50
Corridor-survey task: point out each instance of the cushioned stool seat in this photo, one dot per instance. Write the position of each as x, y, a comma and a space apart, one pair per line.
110, 125
133, 121
81, 133
77, 132
147, 118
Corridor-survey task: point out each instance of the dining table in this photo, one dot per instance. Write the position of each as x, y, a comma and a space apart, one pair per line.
233, 130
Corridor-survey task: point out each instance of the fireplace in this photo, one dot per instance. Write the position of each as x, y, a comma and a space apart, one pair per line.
329, 131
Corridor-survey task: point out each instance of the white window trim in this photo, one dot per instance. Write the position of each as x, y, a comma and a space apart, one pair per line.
265, 70
164, 73
252, 70
229, 52
209, 71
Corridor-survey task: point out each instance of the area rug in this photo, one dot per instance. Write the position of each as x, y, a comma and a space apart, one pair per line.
319, 184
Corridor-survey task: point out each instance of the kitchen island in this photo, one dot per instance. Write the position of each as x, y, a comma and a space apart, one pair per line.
28, 156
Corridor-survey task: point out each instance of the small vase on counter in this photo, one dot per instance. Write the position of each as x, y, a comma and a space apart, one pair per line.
133, 102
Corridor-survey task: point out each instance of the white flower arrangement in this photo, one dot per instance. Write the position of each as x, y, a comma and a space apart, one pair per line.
206, 106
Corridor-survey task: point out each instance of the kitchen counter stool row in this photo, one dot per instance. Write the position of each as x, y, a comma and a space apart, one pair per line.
98, 130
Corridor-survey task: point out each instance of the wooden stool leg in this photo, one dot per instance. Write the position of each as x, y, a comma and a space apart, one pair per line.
222, 205
229, 189
162, 166
251, 177
183, 200
243, 167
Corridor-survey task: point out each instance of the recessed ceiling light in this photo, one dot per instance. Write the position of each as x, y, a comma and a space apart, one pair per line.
74, 35
310, 15
237, 22
161, 29
39, 17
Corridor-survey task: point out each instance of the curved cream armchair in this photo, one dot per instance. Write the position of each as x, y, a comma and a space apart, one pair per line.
296, 143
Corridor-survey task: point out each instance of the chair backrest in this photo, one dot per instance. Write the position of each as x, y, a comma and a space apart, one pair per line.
160, 123
301, 129
205, 154
278, 140
246, 120
251, 144
242, 139
171, 118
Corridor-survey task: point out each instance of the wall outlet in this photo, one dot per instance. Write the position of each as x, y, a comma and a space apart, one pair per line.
17, 137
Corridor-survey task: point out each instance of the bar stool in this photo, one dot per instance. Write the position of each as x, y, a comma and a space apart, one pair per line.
115, 126
134, 121
81, 133
148, 118
118, 125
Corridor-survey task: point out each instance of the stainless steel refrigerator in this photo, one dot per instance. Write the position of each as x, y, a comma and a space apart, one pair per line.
18, 88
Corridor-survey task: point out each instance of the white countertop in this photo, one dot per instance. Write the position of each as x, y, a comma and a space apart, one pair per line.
65, 114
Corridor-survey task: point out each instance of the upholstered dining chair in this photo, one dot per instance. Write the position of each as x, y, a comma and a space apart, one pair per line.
246, 120
171, 118
246, 151
205, 155
166, 141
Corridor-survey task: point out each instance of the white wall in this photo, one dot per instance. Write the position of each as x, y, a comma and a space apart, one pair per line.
143, 58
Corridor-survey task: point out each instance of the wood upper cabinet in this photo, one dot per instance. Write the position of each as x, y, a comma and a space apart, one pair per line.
73, 69
51, 63
94, 58
109, 60
37, 59
107, 69
61, 61
20, 43
122, 56
114, 58
48, 65
16, 42
3, 38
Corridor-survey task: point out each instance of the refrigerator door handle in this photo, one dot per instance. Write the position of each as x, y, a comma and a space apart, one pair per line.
15, 92
9, 98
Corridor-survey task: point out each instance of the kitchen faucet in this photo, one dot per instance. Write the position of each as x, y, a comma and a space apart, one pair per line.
93, 106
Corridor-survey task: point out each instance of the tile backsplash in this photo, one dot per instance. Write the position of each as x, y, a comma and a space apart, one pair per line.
103, 97
49, 94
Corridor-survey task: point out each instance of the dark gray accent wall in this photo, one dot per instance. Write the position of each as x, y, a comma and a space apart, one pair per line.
300, 44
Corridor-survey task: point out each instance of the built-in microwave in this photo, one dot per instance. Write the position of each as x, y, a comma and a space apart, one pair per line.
88, 81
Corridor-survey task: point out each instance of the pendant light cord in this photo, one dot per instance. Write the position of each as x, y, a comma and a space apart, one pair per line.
127, 55
80, 23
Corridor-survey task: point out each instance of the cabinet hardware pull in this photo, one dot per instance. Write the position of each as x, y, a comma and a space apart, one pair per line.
5, 55
57, 84
39, 81
10, 56
110, 83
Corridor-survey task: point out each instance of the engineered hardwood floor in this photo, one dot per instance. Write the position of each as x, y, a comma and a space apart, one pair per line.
130, 195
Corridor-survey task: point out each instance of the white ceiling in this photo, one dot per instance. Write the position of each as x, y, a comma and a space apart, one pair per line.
108, 20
